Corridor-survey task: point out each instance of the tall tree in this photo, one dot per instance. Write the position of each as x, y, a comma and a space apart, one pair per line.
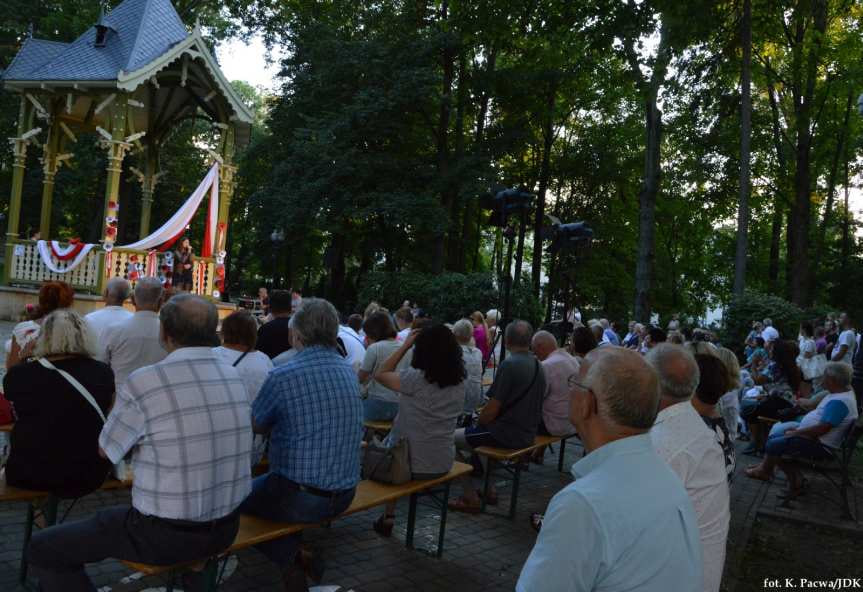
745, 136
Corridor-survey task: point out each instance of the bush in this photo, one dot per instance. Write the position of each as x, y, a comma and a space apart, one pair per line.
755, 306
446, 297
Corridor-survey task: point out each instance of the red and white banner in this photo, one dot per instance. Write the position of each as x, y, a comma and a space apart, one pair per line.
46, 252
176, 225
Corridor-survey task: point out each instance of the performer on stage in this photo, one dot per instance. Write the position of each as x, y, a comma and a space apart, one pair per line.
183, 263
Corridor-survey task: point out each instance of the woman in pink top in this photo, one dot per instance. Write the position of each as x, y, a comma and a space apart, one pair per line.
480, 334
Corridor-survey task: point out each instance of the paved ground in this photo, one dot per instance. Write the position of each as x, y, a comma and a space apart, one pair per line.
486, 552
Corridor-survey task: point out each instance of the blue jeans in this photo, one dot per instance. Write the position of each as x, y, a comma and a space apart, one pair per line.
276, 498
378, 410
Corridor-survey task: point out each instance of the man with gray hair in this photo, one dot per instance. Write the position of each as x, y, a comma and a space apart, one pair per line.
818, 435
511, 417
186, 421
632, 519
472, 357
311, 408
134, 343
684, 441
557, 365
116, 292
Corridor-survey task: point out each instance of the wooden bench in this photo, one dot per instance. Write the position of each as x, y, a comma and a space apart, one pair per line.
377, 427
369, 495
48, 510
7, 427
508, 462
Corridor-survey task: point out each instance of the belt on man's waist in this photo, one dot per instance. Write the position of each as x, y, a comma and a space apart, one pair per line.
199, 525
313, 490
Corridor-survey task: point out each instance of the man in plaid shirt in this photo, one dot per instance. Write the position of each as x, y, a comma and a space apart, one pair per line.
312, 410
187, 422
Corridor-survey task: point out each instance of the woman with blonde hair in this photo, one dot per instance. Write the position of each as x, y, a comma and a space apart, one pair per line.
52, 296
61, 400
729, 403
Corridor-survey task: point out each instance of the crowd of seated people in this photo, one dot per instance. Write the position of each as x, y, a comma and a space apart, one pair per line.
194, 404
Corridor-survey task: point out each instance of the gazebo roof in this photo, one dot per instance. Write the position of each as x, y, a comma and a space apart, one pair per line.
128, 47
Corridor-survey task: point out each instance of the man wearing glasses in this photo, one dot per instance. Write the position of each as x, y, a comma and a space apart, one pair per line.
626, 523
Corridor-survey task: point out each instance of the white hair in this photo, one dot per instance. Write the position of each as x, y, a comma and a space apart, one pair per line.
65, 333
678, 372
840, 372
492, 316
463, 330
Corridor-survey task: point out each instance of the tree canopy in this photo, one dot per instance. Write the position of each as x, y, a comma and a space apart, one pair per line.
393, 119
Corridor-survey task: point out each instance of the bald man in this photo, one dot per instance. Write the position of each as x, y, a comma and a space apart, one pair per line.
690, 448
557, 365
626, 523
116, 293
134, 343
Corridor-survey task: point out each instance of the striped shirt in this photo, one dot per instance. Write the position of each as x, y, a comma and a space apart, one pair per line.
313, 406
187, 420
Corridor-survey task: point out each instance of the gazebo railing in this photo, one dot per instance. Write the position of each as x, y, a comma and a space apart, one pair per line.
25, 268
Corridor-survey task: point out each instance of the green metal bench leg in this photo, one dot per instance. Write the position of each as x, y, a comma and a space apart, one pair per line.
49, 511
412, 519
514, 497
28, 533
560, 456
489, 469
443, 510
211, 575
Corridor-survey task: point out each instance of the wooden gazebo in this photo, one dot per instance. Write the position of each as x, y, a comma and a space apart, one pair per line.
131, 78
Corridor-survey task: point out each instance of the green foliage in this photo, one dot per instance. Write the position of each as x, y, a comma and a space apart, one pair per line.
448, 296
754, 306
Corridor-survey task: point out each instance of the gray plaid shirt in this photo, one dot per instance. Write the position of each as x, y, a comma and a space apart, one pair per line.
189, 421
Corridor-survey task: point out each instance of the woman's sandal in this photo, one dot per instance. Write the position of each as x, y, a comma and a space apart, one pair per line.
384, 525
754, 472
462, 505
536, 521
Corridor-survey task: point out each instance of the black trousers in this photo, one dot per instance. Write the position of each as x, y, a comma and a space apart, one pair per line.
57, 555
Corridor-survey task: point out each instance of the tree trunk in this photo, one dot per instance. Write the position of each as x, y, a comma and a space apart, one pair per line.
442, 141
846, 223
647, 211
831, 183
544, 173
745, 133
801, 210
775, 240
519, 251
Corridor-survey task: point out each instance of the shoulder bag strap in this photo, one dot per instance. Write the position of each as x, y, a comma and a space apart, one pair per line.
240, 359
524, 393
78, 386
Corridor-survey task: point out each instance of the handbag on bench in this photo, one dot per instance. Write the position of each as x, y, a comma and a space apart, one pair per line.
387, 464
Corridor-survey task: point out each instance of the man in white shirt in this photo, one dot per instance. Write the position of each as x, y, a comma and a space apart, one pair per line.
558, 365
116, 293
845, 346
626, 522
134, 343
684, 441
354, 346
769, 334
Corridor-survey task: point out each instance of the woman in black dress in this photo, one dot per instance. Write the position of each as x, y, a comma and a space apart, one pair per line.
55, 441
184, 261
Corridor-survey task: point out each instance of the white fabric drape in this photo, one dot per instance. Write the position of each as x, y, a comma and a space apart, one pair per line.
183, 216
48, 257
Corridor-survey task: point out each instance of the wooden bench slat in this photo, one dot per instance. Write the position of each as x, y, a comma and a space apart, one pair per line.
511, 454
7, 427
370, 494
378, 426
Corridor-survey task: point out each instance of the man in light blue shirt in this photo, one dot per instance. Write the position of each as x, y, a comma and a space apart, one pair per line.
626, 523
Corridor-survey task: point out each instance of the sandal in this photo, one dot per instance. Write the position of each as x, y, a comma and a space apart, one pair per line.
754, 472
536, 521
460, 504
384, 525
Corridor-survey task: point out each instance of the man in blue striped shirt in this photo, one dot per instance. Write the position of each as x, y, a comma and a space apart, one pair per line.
312, 410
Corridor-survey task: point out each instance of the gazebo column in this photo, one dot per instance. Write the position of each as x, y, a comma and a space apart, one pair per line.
19, 164
227, 170
117, 148
148, 187
49, 168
